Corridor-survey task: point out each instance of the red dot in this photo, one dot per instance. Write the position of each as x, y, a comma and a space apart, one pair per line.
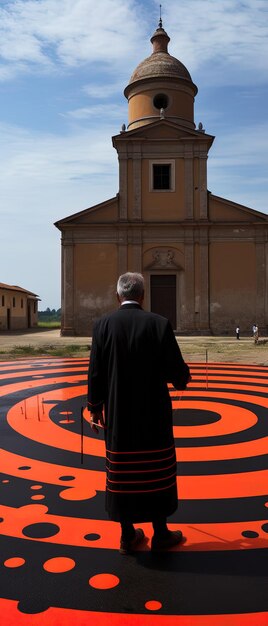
15, 561
38, 497
153, 605
59, 565
104, 581
36, 487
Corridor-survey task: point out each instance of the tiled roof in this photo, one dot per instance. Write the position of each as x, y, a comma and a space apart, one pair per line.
16, 288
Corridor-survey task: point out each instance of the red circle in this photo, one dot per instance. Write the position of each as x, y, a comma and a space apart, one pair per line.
38, 497
59, 565
153, 605
15, 561
104, 581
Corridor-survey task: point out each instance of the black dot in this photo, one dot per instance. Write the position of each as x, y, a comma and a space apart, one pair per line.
1, 519
24, 467
33, 605
66, 477
92, 537
250, 534
265, 527
40, 530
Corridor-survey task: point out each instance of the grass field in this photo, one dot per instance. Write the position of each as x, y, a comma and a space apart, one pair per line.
38, 351
50, 325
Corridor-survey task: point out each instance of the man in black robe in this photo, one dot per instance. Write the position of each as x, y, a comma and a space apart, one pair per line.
134, 355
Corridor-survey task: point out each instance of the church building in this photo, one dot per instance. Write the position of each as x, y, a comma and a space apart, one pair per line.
204, 258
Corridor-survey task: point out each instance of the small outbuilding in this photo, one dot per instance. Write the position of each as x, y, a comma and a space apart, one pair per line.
18, 308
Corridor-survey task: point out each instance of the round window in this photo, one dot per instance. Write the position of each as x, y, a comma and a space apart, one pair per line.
160, 101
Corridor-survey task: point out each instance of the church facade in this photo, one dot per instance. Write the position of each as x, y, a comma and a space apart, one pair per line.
204, 258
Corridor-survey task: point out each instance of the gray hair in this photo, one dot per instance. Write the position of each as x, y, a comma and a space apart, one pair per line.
130, 286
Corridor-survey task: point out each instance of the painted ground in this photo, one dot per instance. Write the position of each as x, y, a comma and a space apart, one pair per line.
59, 559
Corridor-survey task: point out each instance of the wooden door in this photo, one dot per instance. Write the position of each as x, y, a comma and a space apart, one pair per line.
163, 296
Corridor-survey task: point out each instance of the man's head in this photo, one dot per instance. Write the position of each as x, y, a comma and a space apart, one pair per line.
130, 286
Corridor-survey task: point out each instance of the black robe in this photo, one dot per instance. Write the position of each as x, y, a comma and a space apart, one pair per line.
134, 355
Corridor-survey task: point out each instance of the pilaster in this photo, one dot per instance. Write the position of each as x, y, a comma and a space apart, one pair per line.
203, 186
188, 182
261, 287
123, 184
266, 287
136, 184
68, 289
122, 252
136, 240
187, 308
204, 282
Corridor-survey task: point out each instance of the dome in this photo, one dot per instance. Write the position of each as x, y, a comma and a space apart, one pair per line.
160, 65
160, 87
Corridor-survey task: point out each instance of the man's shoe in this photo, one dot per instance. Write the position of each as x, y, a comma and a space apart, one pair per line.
172, 539
126, 547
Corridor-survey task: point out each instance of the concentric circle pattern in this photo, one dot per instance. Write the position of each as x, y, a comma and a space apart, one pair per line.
59, 559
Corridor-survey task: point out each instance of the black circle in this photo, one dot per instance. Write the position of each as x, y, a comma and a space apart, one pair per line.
32, 605
92, 537
160, 101
194, 417
40, 530
1, 519
265, 527
66, 478
24, 467
250, 534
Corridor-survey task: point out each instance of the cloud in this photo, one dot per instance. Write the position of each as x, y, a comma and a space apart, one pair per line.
43, 178
96, 90
102, 111
225, 39
238, 165
55, 174
49, 32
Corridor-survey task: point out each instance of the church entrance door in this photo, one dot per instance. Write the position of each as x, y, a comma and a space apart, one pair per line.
163, 296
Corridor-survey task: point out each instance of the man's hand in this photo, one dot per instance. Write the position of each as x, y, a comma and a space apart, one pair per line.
96, 420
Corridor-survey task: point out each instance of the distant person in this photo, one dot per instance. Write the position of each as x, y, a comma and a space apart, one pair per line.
255, 331
134, 355
237, 332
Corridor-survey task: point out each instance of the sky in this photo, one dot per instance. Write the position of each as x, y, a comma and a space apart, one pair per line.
64, 65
